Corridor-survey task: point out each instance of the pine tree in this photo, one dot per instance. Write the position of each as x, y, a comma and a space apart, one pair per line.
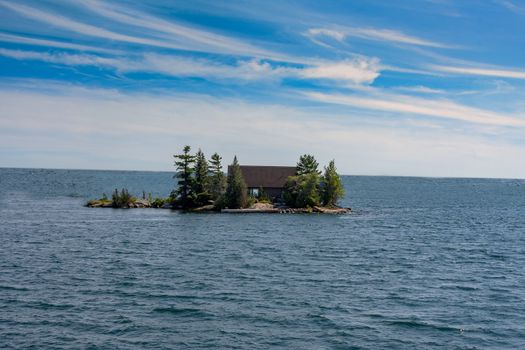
307, 165
332, 187
236, 195
184, 163
201, 183
217, 180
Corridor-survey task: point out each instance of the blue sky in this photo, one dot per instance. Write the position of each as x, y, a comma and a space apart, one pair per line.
424, 88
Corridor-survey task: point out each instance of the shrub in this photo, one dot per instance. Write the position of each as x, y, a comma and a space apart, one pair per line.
122, 199
302, 191
159, 202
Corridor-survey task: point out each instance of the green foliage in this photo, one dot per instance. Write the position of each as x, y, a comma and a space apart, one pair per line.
217, 178
236, 195
307, 165
201, 183
302, 191
262, 196
331, 187
159, 202
251, 201
185, 191
122, 199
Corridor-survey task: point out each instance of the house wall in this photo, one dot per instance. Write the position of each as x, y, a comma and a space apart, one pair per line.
272, 192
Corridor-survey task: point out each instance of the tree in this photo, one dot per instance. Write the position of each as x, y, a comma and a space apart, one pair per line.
331, 187
236, 195
184, 163
217, 178
307, 165
201, 183
302, 191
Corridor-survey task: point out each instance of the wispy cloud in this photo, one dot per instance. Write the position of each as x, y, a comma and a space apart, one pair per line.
437, 108
490, 72
77, 26
512, 6
421, 90
161, 33
190, 38
357, 71
94, 121
59, 58
352, 71
376, 34
52, 43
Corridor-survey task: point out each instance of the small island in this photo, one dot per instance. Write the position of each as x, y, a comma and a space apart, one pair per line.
202, 186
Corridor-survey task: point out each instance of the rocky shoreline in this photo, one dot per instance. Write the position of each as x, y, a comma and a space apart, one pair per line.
257, 208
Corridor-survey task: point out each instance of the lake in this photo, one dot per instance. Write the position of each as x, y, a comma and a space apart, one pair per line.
421, 263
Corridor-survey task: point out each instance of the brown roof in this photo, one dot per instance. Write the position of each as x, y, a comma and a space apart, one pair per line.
257, 176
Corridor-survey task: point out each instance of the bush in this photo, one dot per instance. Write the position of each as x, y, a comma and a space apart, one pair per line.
159, 202
122, 199
302, 191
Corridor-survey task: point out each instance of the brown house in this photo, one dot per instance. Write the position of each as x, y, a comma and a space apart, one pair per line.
270, 178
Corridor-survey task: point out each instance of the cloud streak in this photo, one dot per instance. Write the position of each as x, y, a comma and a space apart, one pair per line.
52, 43
93, 121
439, 108
164, 34
488, 72
356, 71
375, 34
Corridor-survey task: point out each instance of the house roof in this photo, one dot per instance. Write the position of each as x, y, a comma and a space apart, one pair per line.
257, 176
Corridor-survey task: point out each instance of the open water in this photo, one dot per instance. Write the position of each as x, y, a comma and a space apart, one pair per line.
422, 263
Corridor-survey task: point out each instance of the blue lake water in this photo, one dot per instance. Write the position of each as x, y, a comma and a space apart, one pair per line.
421, 264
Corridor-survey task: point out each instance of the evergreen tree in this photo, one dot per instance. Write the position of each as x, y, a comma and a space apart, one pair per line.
307, 165
236, 195
184, 163
201, 183
217, 180
332, 187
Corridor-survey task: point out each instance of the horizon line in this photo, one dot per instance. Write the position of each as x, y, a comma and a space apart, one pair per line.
354, 175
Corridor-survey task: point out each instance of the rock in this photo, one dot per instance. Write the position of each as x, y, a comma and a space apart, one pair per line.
251, 210
98, 204
167, 206
209, 207
140, 203
262, 206
325, 210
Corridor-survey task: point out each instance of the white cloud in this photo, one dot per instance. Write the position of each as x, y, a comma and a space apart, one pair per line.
52, 43
385, 35
100, 127
331, 33
438, 108
421, 90
77, 26
60, 58
165, 34
489, 72
191, 38
513, 7
356, 71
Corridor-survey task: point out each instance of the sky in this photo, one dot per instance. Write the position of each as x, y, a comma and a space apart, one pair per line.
407, 87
